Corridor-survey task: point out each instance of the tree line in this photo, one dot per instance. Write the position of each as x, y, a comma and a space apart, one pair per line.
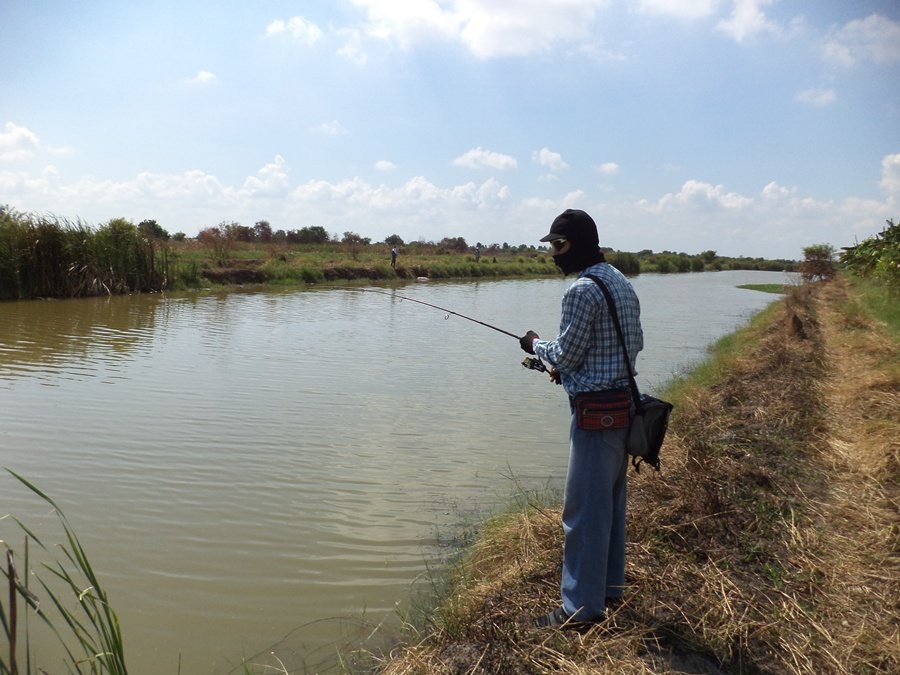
54, 257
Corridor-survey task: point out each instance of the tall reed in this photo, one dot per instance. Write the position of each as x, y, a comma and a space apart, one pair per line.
79, 614
54, 257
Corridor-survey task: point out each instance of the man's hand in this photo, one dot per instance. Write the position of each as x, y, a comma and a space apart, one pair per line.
554, 376
527, 341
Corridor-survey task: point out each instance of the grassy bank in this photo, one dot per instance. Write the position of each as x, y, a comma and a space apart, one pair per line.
766, 545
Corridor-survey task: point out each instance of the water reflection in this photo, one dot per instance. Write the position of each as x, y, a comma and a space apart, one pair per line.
40, 338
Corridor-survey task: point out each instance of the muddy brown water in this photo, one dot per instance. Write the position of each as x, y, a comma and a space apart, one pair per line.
258, 472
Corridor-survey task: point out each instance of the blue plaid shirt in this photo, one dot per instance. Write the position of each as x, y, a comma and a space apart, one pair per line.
587, 351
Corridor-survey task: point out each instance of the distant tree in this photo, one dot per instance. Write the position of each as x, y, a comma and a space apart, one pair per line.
708, 256
262, 231
393, 240
664, 264
626, 263
818, 263
152, 230
209, 233
315, 234
179, 236
454, 244
353, 239
236, 232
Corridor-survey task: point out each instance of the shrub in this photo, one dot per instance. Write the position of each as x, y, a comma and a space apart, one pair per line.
818, 263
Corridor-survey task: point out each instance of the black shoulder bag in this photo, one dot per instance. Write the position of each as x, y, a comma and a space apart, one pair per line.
651, 415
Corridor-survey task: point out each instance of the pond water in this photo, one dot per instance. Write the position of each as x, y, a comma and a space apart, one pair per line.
258, 472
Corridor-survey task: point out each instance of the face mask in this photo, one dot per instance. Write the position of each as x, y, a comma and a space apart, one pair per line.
574, 260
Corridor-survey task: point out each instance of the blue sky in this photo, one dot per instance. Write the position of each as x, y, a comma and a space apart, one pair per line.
750, 127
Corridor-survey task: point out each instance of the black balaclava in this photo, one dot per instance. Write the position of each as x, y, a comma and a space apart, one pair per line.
579, 228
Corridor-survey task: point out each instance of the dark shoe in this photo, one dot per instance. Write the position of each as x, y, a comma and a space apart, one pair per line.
558, 617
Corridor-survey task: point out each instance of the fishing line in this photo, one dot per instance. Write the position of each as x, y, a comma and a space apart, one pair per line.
427, 304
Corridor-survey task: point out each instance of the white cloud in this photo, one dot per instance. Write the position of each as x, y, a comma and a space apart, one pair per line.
384, 165
203, 77
408, 23
270, 181
875, 38
608, 169
779, 223
573, 199
487, 28
680, 9
418, 200
17, 143
547, 158
332, 128
497, 29
816, 97
191, 186
352, 49
479, 158
890, 173
773, 191
296, 27
701, 195
747, 20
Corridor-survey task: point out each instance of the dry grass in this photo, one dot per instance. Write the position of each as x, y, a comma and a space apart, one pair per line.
768, 544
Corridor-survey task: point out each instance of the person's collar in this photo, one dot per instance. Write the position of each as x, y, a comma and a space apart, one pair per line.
587, 269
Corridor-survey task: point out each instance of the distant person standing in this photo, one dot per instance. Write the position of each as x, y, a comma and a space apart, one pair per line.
393, 256
477, 253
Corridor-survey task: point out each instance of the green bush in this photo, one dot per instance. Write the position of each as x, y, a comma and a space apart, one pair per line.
877, 257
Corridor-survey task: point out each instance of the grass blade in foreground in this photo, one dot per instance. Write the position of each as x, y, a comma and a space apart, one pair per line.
89, 620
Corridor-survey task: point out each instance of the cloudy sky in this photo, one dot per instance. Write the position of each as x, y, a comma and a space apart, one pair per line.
751, 127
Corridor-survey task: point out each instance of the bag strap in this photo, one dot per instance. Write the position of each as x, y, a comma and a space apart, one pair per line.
635, 394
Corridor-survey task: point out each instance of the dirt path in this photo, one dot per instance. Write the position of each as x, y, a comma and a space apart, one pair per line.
861, 515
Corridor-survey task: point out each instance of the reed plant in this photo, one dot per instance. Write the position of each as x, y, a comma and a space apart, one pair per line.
70, 602
54, 257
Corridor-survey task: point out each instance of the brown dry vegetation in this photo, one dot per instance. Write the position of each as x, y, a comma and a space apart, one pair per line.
767, 544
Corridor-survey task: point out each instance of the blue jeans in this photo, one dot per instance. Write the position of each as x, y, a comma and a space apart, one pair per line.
594, 521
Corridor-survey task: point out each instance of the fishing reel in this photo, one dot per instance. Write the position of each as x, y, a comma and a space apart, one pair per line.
534, 363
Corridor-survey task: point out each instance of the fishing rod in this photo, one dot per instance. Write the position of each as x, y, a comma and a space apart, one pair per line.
428, 304
528, 363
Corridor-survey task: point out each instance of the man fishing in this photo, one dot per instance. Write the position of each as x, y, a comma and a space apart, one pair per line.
587, 356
